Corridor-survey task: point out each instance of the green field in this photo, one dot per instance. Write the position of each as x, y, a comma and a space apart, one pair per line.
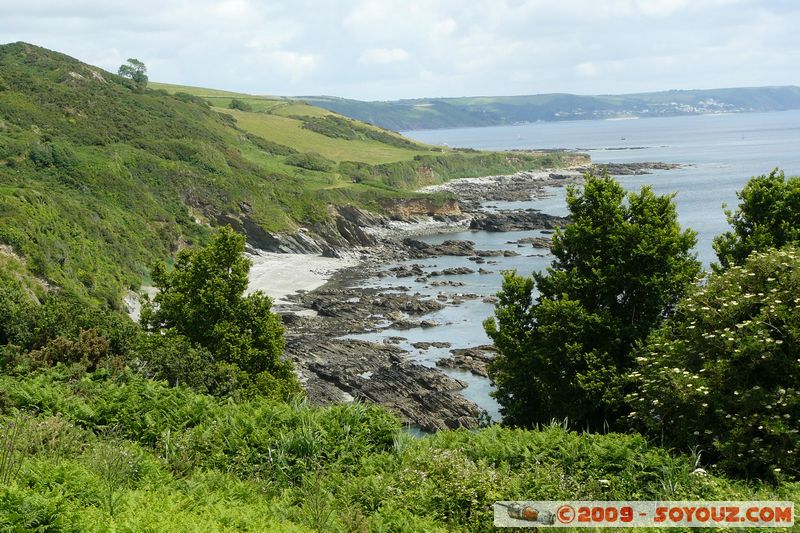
275, 119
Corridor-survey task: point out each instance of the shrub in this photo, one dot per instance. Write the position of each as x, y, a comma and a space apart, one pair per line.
768, 216
310, 161
186, 97
270, 147
241, 105
91, 349
722, 374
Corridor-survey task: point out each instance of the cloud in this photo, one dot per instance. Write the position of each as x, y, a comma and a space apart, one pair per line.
382, 56
587, 69
383, 49
444, 28
296, 64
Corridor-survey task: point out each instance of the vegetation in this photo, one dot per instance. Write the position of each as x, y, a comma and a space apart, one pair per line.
241, 105
768, 216
721, 374
94, 442
310, 161
192, 420
100, 178
202, 300
342, 128
619, 266
117, 450
136, 71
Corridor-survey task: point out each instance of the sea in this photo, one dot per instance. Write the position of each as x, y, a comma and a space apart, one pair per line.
719, 152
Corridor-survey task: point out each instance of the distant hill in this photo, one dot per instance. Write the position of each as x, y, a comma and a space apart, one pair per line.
434, 113
98, 178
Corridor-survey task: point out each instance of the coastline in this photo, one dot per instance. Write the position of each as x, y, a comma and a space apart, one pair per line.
280, 275
323, 324
347, 335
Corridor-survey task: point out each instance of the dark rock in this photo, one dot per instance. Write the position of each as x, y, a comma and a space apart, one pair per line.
474, 360
426, 345
455, 271
407, 271
447, 283
337, 370
449, 247
536, 242
516, 221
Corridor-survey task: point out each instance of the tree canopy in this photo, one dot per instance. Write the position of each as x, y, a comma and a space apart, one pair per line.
136, 71
768, 216
202, 299
620, 265
721, 375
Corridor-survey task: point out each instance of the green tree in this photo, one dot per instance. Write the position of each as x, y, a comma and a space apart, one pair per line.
241, 105
203, 299
134, 70
722, 374
620, 266
768, 216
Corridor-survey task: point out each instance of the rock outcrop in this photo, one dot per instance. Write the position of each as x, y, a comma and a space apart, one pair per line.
518, 220
474, 360
338, 370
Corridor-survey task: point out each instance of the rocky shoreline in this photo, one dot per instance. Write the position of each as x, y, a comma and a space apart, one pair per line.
335, 368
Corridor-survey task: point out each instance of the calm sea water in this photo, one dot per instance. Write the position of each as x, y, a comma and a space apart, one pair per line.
721, 151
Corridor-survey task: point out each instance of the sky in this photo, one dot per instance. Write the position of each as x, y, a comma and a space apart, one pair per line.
387, 49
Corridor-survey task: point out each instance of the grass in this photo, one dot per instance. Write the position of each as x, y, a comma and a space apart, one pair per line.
119, 451
204, 92
290, 132
277, 120
100, 178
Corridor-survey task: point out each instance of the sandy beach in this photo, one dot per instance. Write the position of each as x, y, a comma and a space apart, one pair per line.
278, 275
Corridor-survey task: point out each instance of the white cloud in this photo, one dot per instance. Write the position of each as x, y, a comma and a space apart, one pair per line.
444, 28
661, 8
382, 56
381, 49
587, 69
297, 65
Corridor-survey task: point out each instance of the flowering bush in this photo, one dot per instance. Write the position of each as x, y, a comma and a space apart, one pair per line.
722, 373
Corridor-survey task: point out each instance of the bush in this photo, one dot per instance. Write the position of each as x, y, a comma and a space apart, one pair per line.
186, 97
310, 161
722, 374
90, 350
270, 147
60, 329
241, 105
768, 216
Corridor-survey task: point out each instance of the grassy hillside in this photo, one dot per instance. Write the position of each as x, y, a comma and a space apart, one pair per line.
499, 110
98, 179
